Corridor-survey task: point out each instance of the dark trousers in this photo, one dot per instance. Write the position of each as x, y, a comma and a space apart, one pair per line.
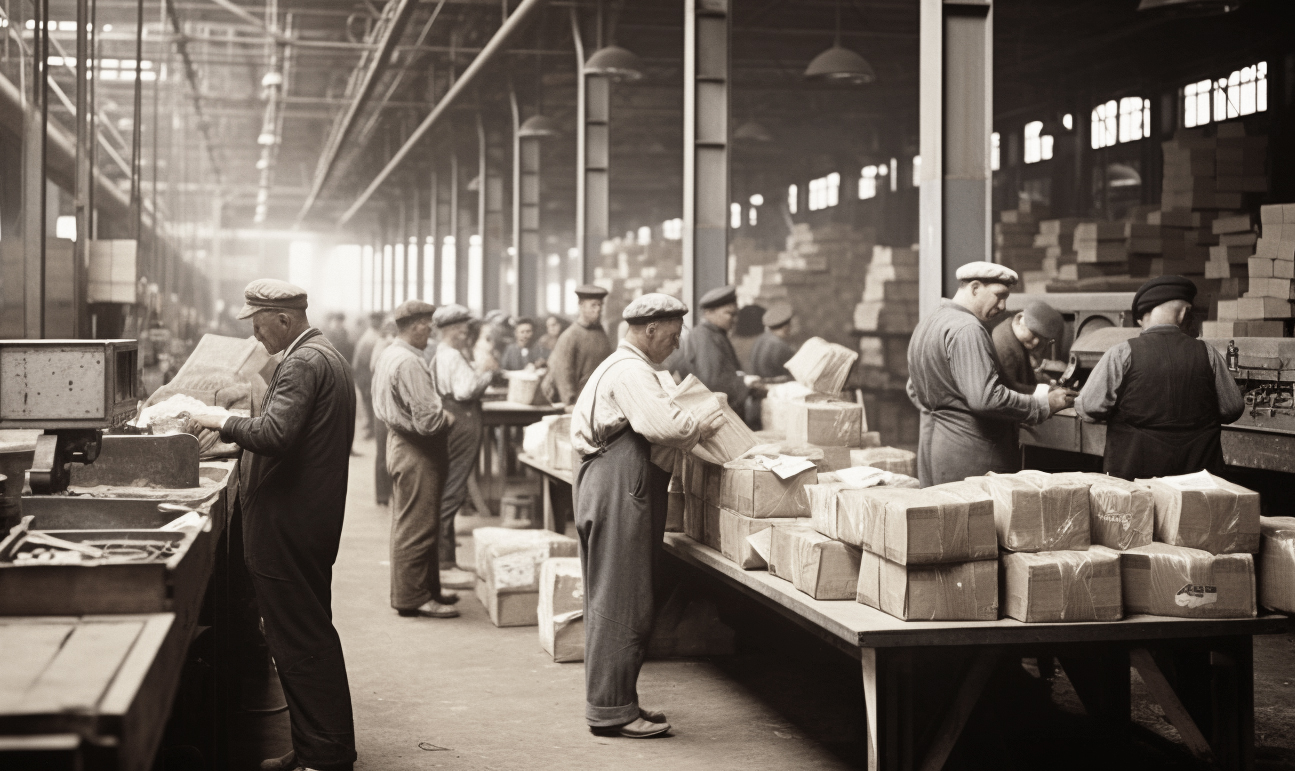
294, 594
418, 466
620, 502
464, 443
381, 477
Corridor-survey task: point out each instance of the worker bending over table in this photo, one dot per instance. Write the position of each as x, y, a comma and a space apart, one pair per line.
708, 353
1018, 338
293, 498
1164, 394
580, 348
969, 417
418, 426
460, 386
627, 430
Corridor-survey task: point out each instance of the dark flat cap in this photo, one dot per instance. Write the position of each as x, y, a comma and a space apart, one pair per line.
412, 309
654, 306
1160, 290
777, 316
1044, 320
717, 297
590, 292
451, 314
271, 294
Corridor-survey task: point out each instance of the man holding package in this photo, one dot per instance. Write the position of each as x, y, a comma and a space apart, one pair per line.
580, 348
969, 416
405, 399
627, 430
1164, 394
708, 353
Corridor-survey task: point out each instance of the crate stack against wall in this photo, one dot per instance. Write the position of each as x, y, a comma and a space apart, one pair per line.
1016, 244
1265, 280
884, 320
1057, 238
628, 269
820, 275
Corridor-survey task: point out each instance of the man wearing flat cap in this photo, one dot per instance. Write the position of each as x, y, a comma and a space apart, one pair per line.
1017, 340
293, 497
1164, 394
708, 353
771, 351
969, 417
405, 399
627, 430
461, 385
580, 348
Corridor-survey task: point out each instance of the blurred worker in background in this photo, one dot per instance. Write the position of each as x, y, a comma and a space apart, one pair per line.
554, 326
1164, 394
337, 334
627, 430
405, 399
708, 354
294, 496
381, 477
522, 351
360, 366
969, 417
460, 385
1018, 339
769, 355
580, 349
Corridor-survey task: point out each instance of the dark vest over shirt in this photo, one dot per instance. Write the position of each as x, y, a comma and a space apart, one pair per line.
1166, 419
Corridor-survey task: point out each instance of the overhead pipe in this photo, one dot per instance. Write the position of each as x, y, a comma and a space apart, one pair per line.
510, 26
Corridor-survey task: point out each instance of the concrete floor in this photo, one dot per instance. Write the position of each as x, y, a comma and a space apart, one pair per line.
462, 694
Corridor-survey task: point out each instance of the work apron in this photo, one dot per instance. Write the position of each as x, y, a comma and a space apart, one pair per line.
463, 444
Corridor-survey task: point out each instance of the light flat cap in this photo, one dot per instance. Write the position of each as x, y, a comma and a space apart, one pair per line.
410, 309
723, 295
988, 273
590, 292
654, 307
451, 314
1160, 290
1044, 320
271, 294
777, 316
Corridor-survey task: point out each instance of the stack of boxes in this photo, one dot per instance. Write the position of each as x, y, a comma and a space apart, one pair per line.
886, 314
629, 269
1014, 239
1101, 250
1264, 309
507, 563
1057, 238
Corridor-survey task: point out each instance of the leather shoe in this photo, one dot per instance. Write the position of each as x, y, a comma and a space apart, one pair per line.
455, 578
448, 598
286, 763
431, 609
651, 715
639, 729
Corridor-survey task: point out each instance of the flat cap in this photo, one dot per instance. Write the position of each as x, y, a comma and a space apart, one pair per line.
1044, 320
654, 306
717, 297
451, 314
271, 294
988, 273
590, 292
777, 316
1160, 290
412, 309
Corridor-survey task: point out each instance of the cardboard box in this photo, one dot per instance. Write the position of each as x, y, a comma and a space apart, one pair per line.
755, 487
966, 591
1202, 511
733, 438
825, 458
509, 609
735, 529
1122, 514
1063, 585
561, 609
825, 423
557, 446
1277, 563
1166, 580
815, 564
694, 518
886, 458
1034, 511
509, 560
941, 524
822, 366
674, 512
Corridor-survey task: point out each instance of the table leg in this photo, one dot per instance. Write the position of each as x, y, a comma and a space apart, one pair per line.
547, 494
1102, 682
955, 718
887, 695
1233, 707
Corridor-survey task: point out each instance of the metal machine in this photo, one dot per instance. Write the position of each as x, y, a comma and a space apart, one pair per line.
1084, 312
71, 389
1264, 369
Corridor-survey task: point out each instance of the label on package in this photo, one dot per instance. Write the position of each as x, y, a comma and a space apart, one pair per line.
1196, 595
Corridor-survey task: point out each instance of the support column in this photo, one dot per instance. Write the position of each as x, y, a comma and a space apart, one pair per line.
705, 141
490, 214
83, 181
34, 194
526, 223
418, 257
956, 101
460, 251
592, 151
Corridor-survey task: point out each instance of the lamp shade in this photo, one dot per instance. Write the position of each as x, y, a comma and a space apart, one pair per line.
538, 126
616, 63
752, 132
1122, 175
840, 65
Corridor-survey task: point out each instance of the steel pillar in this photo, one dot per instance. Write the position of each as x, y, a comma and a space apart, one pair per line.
34, 194
417, 242
593, 157
83, 182
526, 224
956, 101
460, 249
490, 215
705, 140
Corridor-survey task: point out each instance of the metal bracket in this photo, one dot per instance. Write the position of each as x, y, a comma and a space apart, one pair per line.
49, 472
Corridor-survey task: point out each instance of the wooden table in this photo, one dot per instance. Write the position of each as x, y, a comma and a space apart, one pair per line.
922, 679
504, 413
548, 476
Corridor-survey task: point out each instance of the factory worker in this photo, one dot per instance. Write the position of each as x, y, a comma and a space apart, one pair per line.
771, 350
360, 367
627, 430
405, 399
460, 385
293, 494
579, 349
1164, 394
969, 418
522, 351
1021, 336
708, 353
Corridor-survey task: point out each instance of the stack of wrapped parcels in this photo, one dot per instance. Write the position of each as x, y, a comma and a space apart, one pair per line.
1277, 563
549, 441
562, 609
507, 563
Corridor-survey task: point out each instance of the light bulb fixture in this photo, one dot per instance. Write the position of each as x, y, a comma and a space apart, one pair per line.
271, 79
266, 138
538, 126
752, 132
839, 64
616, 63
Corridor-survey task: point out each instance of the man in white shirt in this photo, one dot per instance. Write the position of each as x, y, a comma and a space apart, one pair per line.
621, 421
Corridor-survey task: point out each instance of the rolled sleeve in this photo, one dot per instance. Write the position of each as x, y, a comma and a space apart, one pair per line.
652, 413
1231, 402
1096, 400
415, 387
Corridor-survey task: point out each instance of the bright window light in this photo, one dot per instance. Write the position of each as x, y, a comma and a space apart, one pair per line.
1068, 121
757, 200
917, 171
824, 192
735, 215
792, 203
448, 268
753, 218
1038, 146
868, 183
65, 227
644, 235
1135, 118
672, 230
1105, 128
894, 174
995, 153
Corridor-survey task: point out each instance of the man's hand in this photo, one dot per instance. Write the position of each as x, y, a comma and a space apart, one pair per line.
713, 419
209, 422
1061, 398
756, 385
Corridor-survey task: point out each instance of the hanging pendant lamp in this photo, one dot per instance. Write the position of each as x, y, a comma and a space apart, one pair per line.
616, 63
839, 64
538, 126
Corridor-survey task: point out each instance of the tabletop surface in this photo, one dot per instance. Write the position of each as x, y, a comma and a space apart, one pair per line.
859, 625
564, 475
